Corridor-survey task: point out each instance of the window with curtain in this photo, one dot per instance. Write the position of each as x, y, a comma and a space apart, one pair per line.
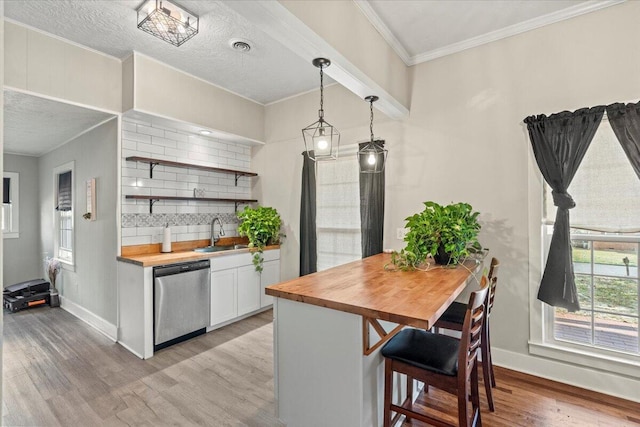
64, 208
605, 243
338, 211
10, 205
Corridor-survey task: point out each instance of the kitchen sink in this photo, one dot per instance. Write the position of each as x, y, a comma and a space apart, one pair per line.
214, 248
240, 246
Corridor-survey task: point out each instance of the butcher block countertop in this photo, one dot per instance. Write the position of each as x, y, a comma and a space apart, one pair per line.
363, 287
158, 258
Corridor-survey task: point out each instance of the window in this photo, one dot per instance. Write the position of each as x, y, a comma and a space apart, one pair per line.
63, 179
10, 205
605, 239
338, 211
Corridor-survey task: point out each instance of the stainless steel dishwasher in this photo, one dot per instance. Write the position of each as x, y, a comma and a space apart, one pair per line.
181, 299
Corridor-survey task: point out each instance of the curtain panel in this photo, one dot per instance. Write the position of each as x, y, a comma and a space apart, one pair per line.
372, 209
559, 144
625, 122
308, 237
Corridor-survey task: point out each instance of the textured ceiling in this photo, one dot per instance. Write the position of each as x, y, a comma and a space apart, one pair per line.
34, 126
267, 73
270, 71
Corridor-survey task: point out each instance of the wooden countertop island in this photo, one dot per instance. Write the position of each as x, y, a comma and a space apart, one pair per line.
364, 287
327, 372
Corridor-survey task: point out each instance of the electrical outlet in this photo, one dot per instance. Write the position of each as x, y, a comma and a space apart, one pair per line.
400, 233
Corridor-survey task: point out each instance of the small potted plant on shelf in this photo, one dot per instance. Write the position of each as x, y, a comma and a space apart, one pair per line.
448, 233
261, 225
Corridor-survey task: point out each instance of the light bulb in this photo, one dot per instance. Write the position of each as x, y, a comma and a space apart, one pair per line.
371, 159
322, 144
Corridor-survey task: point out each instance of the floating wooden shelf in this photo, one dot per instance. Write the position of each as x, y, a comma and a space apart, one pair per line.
153, 199
155, 162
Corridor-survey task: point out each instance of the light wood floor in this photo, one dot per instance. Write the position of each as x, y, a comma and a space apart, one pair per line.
59, 371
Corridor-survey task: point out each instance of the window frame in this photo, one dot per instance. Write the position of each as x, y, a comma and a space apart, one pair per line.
541, 336
67, 262
348, 156
14, 207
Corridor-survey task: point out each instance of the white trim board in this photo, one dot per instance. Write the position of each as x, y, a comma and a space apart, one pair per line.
101, 325
567, 373
275, 20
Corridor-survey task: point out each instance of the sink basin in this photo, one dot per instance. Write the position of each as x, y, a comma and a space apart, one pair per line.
213, 249
240, 246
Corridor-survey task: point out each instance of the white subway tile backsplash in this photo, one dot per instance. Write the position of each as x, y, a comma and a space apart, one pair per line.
128, 144
189, 220
147, 130
129, 126
137, 240
150, 148
164, 142
133, 136
176, 136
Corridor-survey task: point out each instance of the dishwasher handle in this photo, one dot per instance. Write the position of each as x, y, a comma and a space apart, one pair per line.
167, 270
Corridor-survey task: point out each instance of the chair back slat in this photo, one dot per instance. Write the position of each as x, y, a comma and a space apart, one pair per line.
493, 280
472, 329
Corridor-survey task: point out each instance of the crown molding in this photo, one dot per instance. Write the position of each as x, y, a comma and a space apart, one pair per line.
384, 31
532, 24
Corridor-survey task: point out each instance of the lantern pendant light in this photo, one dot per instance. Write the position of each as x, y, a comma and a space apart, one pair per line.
321, 140
372, 157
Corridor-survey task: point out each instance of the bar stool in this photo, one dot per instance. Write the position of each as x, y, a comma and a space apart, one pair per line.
453, 319
443, 362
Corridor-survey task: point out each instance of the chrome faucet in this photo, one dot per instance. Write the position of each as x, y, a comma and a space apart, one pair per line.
214, 239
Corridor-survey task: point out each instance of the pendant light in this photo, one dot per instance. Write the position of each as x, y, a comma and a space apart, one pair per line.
372, 156
321, 140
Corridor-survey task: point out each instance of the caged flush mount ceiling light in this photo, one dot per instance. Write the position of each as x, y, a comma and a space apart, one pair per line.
372, 156
167, 21
321, 140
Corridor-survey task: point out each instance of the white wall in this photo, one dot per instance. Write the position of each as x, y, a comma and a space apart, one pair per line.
1, 149
37, 62
22, 258
191, 100
189, 220
92, 286
465, 141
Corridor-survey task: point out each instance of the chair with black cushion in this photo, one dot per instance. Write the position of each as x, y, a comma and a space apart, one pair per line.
443, 362
453, 319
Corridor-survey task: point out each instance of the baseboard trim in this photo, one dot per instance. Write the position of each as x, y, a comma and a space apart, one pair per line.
237, 319
101, 325
567, 373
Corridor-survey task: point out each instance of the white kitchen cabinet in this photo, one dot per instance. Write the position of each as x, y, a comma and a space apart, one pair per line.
223, 295
237, 290
248, 289
270, 276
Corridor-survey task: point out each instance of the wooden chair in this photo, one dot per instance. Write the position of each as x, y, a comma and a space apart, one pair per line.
444, 362
453, 319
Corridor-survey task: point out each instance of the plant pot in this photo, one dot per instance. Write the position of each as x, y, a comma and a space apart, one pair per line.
442, 257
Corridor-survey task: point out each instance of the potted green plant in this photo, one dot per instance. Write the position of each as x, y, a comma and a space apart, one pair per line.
448, 233
261, 225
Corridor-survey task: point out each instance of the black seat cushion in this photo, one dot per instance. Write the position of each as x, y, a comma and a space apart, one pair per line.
425, 350
455, 313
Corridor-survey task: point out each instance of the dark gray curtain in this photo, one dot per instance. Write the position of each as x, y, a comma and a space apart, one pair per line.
559, 143
625, 121
64, 192
371, 210
308, 239
6, 188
